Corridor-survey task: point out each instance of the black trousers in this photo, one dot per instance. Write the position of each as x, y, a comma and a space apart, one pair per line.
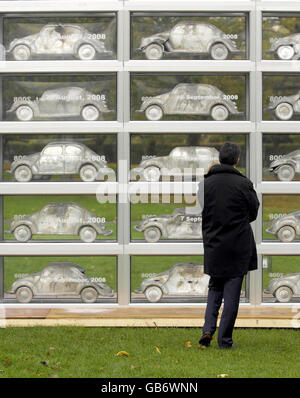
230, 290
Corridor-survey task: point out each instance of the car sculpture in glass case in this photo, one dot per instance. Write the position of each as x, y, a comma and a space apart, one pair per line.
181, 161
287, 227
190, 37
60, 158
190, 99
183, 279
60, 218
59, 279
59, 39
285, 107
284, 288
183, 223
285, 167
60, 103
286, 48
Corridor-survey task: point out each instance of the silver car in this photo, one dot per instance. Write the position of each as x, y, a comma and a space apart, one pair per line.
287, 47
287, 228
62, 158
58, 39
190, 99
183, 279
183, 223
287, 166
60, 102
181, 161
59, 279
59, 218
285, 107
190, 37
284, 288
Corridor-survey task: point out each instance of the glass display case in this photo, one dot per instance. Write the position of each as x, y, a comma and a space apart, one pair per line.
158, 156
60, 36
281, 36
281, 279
58, 218
281, 218
80, 279
59, 157
217, 36
87, 97
281, 157
171, 279
169, 96
281, 96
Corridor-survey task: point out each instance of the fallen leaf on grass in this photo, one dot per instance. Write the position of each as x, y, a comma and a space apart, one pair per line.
51, 348
122, 353
188, 344
101, 368
6, 362
157, 349
223, 375
132, 367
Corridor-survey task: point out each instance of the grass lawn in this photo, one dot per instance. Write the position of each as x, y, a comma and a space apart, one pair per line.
91, 352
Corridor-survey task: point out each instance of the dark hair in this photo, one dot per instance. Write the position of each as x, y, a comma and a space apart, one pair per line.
229, 153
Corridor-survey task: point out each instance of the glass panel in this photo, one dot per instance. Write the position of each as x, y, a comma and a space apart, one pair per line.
217, 36
201, 97
59, 36
281, 157
281, 36
281, 97
59, 97
281, 218
155, 156
281, 279
171, 279
58, 217
35, 157
84, 279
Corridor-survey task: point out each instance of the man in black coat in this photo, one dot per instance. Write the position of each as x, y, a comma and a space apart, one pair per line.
229, 204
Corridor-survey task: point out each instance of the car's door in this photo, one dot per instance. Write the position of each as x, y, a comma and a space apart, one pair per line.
74, 217
72, 279
182, 158
51, 160
177, 102
74, 155
203, 159
51, 281
297, 160
71, 34
48, 222
48, 41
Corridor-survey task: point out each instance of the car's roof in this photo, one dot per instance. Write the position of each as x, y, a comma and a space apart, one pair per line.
57, 264
63, 24
196, 23
64, 204
66, 143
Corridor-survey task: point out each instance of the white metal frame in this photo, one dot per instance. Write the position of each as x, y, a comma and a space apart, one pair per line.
123, 127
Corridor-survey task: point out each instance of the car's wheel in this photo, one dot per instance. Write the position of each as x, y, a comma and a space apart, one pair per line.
24, 113
86, 52
284, 111
285, 52
22, 233
154, 51
154, 112
153, 294
219, 112
88, 173
21, 52
89, 295
286, 172
152, 173
90, 113
24, 294
286, 234
88, 234
152, 234
283, 294
219, 51
23, 173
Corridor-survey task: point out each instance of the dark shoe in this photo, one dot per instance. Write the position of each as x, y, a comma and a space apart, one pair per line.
227, 347
205, 339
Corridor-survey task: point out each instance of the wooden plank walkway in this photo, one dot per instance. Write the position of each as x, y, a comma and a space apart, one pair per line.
282, 317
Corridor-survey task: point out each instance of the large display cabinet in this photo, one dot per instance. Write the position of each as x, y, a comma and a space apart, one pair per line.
111, 112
